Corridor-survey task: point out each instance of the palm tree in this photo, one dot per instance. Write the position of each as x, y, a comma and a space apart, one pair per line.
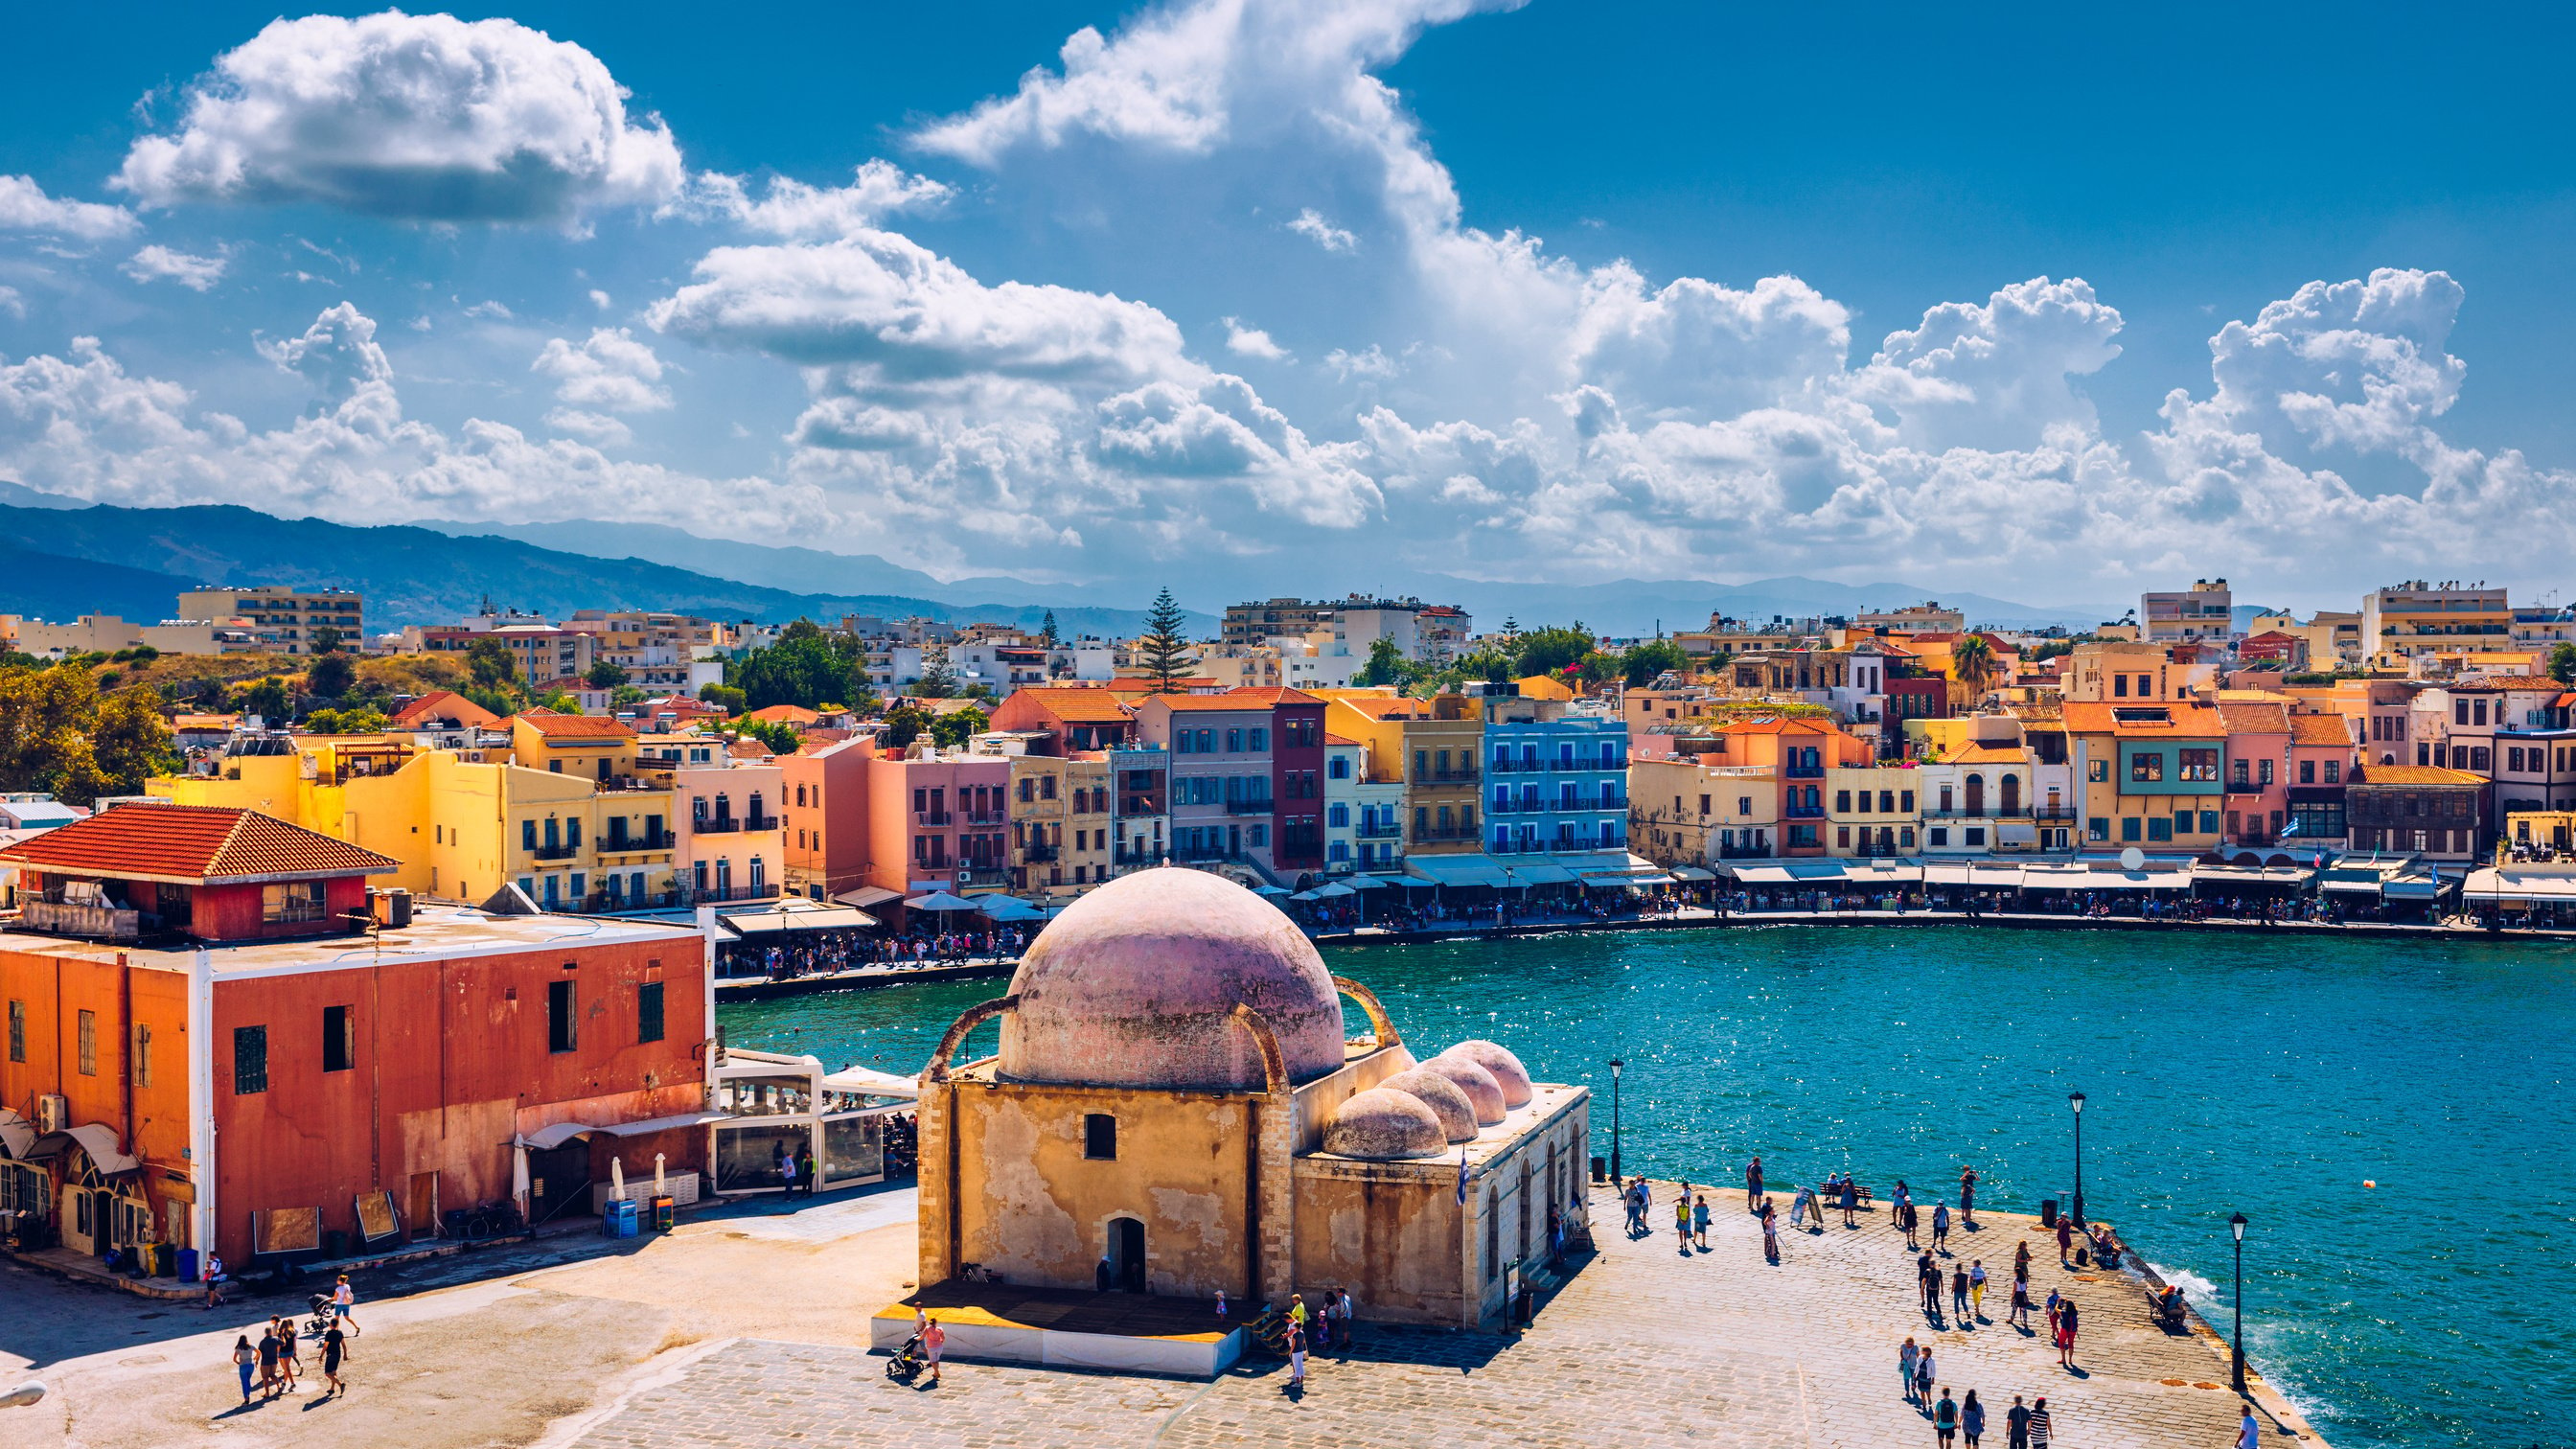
1972, 666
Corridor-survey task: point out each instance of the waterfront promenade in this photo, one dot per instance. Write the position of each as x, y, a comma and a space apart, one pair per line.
1643, 1346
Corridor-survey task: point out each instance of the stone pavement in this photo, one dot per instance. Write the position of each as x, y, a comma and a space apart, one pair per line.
1643, 1347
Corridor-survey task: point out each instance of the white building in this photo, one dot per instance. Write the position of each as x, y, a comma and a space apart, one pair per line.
2205, 611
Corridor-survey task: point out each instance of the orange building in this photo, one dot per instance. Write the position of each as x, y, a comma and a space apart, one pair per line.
211, 1041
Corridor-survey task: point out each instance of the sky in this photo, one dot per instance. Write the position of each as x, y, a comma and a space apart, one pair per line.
1288, 297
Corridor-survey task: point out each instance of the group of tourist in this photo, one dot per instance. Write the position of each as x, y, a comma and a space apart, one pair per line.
274, 1365
824, 953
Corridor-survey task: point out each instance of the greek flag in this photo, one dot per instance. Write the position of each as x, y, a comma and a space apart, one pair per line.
1462, 1175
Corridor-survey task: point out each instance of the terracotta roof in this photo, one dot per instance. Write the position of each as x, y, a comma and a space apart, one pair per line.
2413, 775
2319, 729
747, 748
2510, 681
1272, 694
444, 704
193, 843
2255, 719
2182, 719
786, 714
1333, 739
1973, 753
1235, 702
574, 726
1081, 706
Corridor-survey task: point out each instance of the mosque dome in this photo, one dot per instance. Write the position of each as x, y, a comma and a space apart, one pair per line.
1484, 1094
1444, 1097
1134, 986
1507, 1070
1383, 1125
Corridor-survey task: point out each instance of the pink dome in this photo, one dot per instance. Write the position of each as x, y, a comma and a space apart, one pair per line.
1507, 1069
1384, 1125
1483, 1092
1444, 1097
1134, 986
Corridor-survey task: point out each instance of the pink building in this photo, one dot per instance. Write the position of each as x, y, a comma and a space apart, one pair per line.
823, 816
2258, 774
936, 819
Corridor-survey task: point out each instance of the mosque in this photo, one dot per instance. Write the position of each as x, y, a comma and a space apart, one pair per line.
1176, 1111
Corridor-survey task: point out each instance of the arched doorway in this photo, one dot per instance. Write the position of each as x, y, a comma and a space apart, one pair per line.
1976, 797
1127, 1254
2011, 786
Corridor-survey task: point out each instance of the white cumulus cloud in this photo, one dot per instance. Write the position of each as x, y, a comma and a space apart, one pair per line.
790, 208
413, 117
158, 263
1251, 342
24, 206
1311, 225
609, 373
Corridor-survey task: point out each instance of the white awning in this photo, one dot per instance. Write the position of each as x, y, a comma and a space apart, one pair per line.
1881, 872
2351, 887
818, 918
2509, 884
1760, 874
874, 1083
2016, 832
1368, 883
17, 1134
555, 1134
866, 896
1541, 872
1692, 873
651, 1125
2277, 875
1478, 869
2413, 887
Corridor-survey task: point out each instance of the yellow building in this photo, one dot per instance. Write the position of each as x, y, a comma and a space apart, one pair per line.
461, 828
1060, 821
1434, 746
1685, 812
1543, 686
2149, 775
1872, 810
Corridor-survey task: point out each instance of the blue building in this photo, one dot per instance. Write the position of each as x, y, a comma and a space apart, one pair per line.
1556, 781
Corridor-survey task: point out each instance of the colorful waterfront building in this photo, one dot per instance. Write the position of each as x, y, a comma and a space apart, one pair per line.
2151, 774
1556, 779
937, 820
1797, 751
2258, 774
2418, 810
1686, 811
1434, 748
824, 825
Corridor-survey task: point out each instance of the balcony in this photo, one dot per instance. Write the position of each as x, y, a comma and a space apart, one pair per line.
933, 817
2058, 813
986, 817
1148, 855
1517, 767
1206, 852
1744, 852
1467, 775
1039, 854
1140, 805
556, 852
715, 824
2247, 787
1250, 807
692, 896
620, 843
618, 783
1380, 830
70, 918
982, 875
1802, 772
1446, 832
1803, 812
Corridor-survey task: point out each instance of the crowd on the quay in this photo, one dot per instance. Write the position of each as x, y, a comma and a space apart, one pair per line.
1951, 1296
824, 953
2099, 905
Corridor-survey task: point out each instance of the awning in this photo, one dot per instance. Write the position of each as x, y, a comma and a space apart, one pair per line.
2413, 887
1009, 908
96, 1139
1272, 891
663, 1124
941, 901
2271, 875
1946, 872
1761, 874
820, 918
868, 896
1692, 873
1881, 872
2016, 832
2080, 878
556, 1134
1369, 883
17, 1134
1541, 872
2492, 883
2351, 887
874, 1083
1478, 869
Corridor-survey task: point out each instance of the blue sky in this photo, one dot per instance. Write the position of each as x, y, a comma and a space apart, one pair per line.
2047, 304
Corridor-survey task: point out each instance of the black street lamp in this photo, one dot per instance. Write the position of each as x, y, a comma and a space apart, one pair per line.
2236, 1225
1615, 1175
2076, 1101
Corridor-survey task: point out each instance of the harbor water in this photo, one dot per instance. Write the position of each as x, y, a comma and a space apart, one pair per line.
2222, 1074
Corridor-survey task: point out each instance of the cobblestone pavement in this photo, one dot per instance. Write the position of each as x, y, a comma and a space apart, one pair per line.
1643, 1347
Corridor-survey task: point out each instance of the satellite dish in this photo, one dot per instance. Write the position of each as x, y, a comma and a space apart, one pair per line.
2133, 859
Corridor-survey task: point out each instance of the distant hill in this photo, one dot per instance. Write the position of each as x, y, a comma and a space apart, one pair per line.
414, 575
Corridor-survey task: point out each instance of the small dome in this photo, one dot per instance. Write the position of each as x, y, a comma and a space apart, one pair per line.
1444, 1097
1484, 1094
1507, 1069
1384, 1126
1134, 986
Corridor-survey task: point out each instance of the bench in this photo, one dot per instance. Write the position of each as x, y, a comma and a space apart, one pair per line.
1833, 1201
2166, 1310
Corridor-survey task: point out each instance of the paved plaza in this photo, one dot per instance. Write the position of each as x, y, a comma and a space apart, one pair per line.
1643, 1346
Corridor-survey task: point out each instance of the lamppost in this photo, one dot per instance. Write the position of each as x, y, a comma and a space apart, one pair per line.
1615, 1175
2076, 1101
2236, 1225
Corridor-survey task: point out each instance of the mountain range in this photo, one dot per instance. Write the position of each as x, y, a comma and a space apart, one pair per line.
60, 557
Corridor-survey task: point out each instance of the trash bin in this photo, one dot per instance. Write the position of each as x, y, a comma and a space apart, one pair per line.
335, 1243
665, 1213
2048, 1212
1600, 1169
187, 1265
617, 1220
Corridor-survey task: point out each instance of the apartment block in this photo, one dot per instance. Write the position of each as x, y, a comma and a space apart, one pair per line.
281, 619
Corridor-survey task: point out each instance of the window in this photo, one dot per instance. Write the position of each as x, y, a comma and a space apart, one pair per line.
2159, 828
88, 1043
1842, 801
648, 1012
2307, 772
1338, 816
2120, 686
2129, 827
2146, 768
1937, 835
2097, 771
1260, 739
1234, 742
1842, 836
1339, 769
1743, 804
527, 835
562, 1030
2334, 773
250, 1060
2098, 828
1100, 1137
296, 901
339, 1040
2263, 775
1976, 835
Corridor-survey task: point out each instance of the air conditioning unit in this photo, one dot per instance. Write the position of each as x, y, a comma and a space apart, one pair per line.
53, 1113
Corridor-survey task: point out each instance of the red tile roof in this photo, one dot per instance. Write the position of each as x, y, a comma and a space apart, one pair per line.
1273, 694
2182, 719
2413, 775
192, 843
792, 714
2255, 719
574, 726
2319, 729
1080, 706
445, 704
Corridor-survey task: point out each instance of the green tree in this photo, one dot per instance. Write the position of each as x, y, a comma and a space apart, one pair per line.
491, 663
331, 677
606, 674
723, 696
2562, 663
326, 640
1386, 665
953, 729
59, 736
904, 724
268, 699
1549, 650
1489, 666
780, 739
1972, 665
1046, 631
1163, 647
937, 681
503, 702
130, 740
625, 694
808, 666
1640, 665
346, 721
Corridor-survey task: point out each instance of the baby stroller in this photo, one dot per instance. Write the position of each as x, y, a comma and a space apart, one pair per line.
319, 1305
906, 1363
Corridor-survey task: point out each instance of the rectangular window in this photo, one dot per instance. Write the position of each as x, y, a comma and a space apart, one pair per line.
17, 1031
339, 1040
2307, 772
295, 901
2263, 775
1234, 742
2159, 828
2098, 828
2199, 765
527, 835
2334, 772
2129, 827
562, 1030
1842, 802
2146, 768
2119, 686
143, 1056
2098, 771
250, 1060
1100, 1137
2209, 822
648, 1012
1938, 835
88, 1043
1260, 740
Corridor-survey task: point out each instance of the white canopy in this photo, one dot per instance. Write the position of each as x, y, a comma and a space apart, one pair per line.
1367, 883
1472, 869
874, 1083
17, 1134
868, 896
807, 918
556, 1134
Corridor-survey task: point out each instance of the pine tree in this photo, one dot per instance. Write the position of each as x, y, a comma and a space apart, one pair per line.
1163, 646
1046, 630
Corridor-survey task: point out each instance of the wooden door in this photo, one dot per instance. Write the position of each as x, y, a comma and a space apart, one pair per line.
420, 1210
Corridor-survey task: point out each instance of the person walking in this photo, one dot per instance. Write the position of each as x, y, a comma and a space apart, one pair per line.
245, 1362
1940, 1227
2017, 1425
344, 1304
1927, 1283
2249, 1435
2041, 1426
268, 1387
787, 1173
213, 1272
1945, 1420
1923, 1373
1349, 1312
1682, 1219
1897, 1203
1977, 1292
933, 1339
805, 1167
289, 1357
1851, 1201
1972, 1420
335, 1346
1905, 1358
2065, 1241
2066, 1317
1959, 1294
1699, 1220
1753, 1186
1906, 1211
2020, 1314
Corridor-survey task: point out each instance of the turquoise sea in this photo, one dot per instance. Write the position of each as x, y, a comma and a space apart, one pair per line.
2222, 1074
